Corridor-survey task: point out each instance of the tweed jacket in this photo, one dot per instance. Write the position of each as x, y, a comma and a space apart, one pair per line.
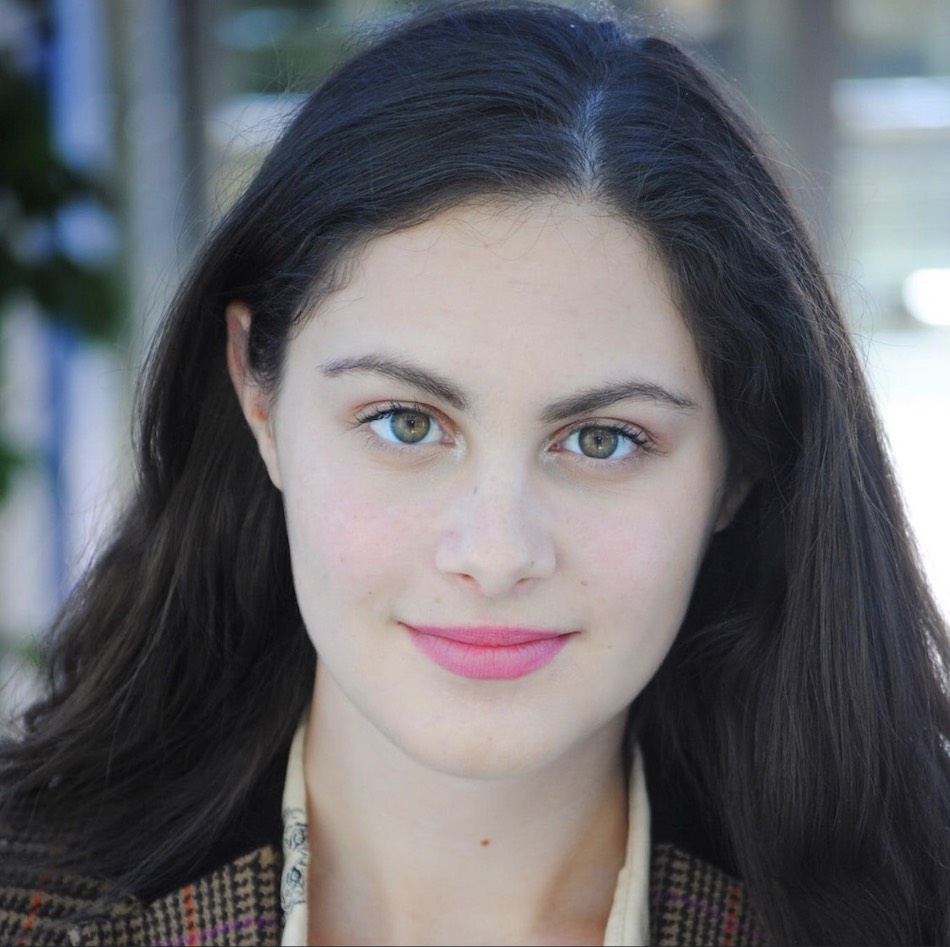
691, 902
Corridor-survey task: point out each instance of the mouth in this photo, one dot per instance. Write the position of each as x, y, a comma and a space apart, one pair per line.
489, 653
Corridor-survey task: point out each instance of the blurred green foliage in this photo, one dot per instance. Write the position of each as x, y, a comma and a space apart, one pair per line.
36, 187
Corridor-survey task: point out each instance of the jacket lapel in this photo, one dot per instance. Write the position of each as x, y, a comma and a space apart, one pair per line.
691, 902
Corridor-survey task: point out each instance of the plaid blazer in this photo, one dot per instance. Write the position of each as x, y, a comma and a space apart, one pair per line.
691, 902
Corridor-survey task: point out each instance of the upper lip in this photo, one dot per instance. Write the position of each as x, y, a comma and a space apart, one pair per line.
489, 636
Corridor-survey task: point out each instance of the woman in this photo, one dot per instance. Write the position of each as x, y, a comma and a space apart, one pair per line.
514, 556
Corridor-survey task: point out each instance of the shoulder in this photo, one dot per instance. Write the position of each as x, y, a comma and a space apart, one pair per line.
236, 903
691, 902
232, 899
694, 902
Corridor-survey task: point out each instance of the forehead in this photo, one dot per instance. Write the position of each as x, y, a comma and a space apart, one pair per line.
505, 248
551, 288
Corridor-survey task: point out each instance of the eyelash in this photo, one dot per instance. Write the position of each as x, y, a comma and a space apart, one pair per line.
640, 440
377, 413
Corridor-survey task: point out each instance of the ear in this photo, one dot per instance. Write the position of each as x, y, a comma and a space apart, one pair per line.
733, 497
255, 402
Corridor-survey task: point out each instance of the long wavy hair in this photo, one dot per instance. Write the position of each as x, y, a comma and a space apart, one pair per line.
802, 711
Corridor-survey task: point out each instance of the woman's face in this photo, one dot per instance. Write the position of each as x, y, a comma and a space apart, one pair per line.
501, 466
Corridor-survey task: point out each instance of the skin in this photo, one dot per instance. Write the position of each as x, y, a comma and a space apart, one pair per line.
474, 811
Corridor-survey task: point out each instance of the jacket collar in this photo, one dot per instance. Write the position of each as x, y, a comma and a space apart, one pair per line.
691, 902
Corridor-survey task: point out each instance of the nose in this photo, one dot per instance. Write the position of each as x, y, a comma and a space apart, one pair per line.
495, 536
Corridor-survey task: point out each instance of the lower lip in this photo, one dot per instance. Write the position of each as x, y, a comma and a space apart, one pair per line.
495, 662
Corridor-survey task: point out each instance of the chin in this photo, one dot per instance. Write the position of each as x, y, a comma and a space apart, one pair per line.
486, 759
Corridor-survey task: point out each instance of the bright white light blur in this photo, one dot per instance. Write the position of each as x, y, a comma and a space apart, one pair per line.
926, 295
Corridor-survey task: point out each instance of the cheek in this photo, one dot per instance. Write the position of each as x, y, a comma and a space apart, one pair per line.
640, 566
659, 538
638, 586
348, 543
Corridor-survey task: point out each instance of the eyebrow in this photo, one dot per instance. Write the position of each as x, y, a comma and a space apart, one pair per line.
428, 381
583, 402
593, 399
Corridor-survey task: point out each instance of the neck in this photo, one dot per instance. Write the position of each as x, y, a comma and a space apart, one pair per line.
402, 852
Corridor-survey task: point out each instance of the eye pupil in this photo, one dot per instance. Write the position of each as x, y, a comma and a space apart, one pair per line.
409, 426
598, 442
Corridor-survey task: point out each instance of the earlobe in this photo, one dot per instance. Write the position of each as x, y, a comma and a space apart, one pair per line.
254, 401
733, 498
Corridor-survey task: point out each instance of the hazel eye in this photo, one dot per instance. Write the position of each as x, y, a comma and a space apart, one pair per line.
406, 426
600, 443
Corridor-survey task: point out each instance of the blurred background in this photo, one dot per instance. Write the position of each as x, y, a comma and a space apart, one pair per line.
128, 125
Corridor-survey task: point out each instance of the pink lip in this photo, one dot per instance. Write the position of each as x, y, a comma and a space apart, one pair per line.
488, 653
